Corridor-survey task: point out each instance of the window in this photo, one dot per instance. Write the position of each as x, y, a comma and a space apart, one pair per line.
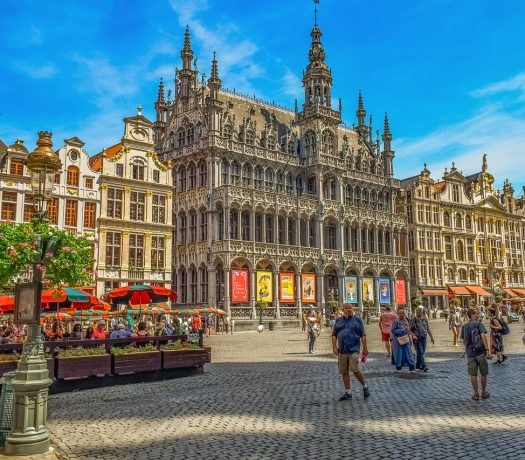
157, 252
291, 147
227, 131
258, 177
468, 222
448, 247
355, 242
459, 221
420, 213
269, 179
270, 142
250, 138
29, 208
119, 170
234, 224
192, 176
312, 234
421, 239
203, 174
182, 179
411, 241
193, 226
437, 241
180, 137
71, 213
52, 211
279, 181
436, 215
428, 214
446, 219
137, 205
310, 185
193, 285
17, 167
246, 175
156, 176
90, 212
182, 228
281, 230
225, 170
88, 182
183, 285
190, 135
203, 275
236, 173
73, 176
57, 178
113, 247
427, 192
328, 142
302, 233
429, 241
258, 228
158, 209
460, 250
472, 276
137, 171
269, 228
299, 185
331, 233
245, 225
462, 274
291, 232
289, 183
203, 226
136, 250
9, 200
410, 214
455, 193
332, 190
114, 208
470, 250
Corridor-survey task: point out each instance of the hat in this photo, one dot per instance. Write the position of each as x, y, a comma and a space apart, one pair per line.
121, 326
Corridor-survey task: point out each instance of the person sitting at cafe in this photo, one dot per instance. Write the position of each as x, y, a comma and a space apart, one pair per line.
142, 330
76, 334
56, 332
121, 332
99, 333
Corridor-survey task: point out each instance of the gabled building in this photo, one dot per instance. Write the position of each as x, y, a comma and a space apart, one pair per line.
288, 206
465, 237
135, 220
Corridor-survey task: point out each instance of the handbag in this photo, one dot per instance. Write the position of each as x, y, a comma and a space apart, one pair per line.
404, 339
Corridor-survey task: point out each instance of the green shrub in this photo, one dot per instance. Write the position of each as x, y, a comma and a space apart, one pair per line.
79, 352
175, 346
133, 349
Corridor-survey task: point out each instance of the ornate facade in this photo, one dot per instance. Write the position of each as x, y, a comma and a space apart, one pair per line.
466, 238
135, 222
76, 201
261, 190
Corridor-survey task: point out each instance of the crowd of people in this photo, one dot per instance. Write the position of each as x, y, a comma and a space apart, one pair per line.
405, 337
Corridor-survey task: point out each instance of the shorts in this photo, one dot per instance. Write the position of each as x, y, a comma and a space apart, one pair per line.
348, 361
385, 336
478, 363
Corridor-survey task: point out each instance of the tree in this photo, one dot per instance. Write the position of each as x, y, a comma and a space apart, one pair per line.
368, 304
62, 259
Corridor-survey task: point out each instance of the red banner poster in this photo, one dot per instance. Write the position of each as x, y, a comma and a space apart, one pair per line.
401, 296
239, 285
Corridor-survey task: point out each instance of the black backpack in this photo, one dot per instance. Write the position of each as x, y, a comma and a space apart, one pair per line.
474, 340
504, 327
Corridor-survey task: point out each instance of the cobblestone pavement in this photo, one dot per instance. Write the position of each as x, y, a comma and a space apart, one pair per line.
265, 398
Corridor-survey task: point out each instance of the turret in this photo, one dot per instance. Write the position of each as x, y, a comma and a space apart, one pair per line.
388, 153
214, 104
160, 107
214, 82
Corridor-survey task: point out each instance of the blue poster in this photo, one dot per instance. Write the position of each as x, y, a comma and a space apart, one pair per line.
384, 290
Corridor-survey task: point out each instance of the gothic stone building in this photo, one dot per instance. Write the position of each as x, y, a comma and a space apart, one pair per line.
465, 237
285, 206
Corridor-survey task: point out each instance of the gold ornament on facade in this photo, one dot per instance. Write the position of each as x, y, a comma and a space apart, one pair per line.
151, 154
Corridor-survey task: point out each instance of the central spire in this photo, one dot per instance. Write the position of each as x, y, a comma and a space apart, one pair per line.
186, 53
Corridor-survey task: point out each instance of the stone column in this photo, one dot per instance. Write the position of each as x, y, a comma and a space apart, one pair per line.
392, 293
376, 292
360, 293
212, 293
298, 294
383, 239
252, 293
275, 296
308, 232
227, 290
320, 291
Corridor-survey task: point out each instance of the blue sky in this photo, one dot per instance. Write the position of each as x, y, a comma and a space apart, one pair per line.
450, 74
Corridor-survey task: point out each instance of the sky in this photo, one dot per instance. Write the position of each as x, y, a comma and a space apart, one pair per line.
450, 74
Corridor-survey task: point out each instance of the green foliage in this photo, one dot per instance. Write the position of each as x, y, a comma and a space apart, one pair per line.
455, 302
148, 347
79, 352
368, 303
67, 263
177, 346
331, 304
498, 299
261, 305
416, 302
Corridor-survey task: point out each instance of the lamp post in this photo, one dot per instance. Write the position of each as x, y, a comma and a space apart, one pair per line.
29, 435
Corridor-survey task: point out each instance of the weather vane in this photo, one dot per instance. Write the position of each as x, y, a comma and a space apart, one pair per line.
316, 2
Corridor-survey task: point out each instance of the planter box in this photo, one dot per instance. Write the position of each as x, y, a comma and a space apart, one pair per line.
172, 359
136, 362
82, 366
6, 366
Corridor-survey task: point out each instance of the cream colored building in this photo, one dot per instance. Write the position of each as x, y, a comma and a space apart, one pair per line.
75, 203
466, 238
265, 191
135, 221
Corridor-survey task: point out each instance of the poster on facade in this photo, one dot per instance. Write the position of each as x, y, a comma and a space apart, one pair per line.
401, 297
308, 287
286, 287
264, 286
384, 290
350, 289
239, 286
368, 289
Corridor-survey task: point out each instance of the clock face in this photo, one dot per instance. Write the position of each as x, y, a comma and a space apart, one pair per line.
73, 155
138, 134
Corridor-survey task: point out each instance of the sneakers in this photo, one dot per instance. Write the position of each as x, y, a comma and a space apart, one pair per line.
366, 392
504, 358
485, 395
346, 396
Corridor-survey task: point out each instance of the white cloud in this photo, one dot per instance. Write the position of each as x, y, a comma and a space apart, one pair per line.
516, 83
40, 71
292, 86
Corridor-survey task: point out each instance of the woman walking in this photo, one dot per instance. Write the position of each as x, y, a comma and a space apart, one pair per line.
402, 339
496, 337
311, 326
454, 324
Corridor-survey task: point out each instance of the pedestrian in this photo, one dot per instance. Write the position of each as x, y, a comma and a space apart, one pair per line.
420, 327
227, 324
445, 313
474, 336
482, 313
311, 326
385, 325
348, 338
496, 336
209, 324
454, 324
232, 325
303, 316
434, 312
402, 340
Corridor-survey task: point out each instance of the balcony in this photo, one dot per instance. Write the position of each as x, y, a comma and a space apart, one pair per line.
136, 273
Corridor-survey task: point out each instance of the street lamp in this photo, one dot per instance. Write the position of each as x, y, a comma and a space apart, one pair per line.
29, 435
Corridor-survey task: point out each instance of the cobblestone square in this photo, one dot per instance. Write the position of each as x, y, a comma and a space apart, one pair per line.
264, 397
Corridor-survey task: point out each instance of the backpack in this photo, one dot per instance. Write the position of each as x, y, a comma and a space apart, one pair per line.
474, 341
504, 327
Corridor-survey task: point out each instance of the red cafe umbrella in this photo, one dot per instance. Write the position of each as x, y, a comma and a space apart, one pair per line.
141, 294
7, 303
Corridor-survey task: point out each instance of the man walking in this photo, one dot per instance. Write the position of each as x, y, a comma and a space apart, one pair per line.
348, 336
420, 328
474, 337
385, 324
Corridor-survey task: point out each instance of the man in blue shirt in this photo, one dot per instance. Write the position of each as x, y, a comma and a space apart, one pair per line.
347, 337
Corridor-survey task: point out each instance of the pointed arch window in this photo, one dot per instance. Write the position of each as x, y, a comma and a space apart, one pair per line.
190, 135
227, 132
182, 179
258, 177
299, 185
268, 183
291, 147
180, 137
289, 183
203, 174
192, 176
225, 172
279, 179
246, 175
270, 142
250, 137
328, 142
236, 173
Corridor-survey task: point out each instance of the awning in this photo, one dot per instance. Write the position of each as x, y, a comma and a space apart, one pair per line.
434, 292
509, 292
520, 291
459, 290
478, 290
